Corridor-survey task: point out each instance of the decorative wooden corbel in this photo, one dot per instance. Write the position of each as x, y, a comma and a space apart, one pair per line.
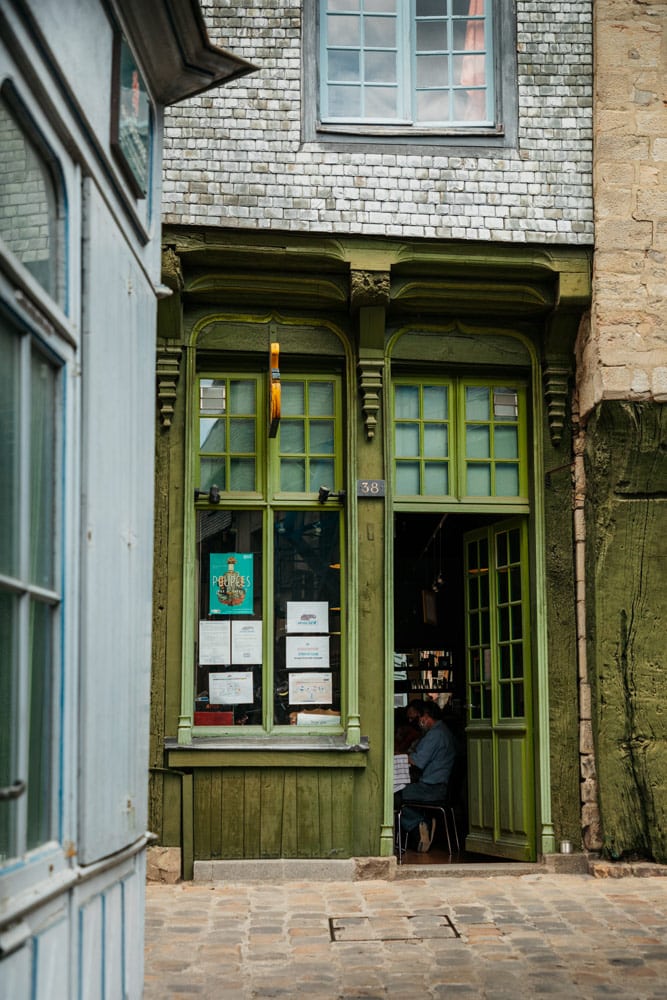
370, 373
369, 298
369, 288
555, 382
274, 390
172, 272
167, 370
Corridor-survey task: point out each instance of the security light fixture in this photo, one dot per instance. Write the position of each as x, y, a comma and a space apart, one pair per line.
212, 495
325, 494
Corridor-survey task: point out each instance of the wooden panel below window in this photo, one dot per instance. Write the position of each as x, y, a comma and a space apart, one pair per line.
273, 813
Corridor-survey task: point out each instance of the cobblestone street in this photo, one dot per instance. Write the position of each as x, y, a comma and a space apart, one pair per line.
494, 938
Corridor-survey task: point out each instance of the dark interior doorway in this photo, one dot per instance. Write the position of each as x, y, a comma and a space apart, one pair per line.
429, 638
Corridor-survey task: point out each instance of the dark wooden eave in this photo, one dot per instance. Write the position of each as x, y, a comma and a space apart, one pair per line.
171, 42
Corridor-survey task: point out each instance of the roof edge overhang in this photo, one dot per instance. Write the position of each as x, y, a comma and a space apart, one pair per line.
176, 54
426, 276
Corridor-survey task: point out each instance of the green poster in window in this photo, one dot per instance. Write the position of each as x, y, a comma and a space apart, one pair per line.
231, 583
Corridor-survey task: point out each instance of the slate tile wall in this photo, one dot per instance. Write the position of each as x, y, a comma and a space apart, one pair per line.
237, 157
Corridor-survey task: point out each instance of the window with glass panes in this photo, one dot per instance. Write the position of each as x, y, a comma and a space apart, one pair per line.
422, 438
497, 623
478, 607
509, 589
307, 453
32, 219
459, 438
31, 213
268, 554
424, 63
228, 417
492, 441
30, 597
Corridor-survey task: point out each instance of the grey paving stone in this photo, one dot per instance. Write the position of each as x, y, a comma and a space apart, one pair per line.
201, 939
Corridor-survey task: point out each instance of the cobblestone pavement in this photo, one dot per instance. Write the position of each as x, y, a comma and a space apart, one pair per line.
501, 938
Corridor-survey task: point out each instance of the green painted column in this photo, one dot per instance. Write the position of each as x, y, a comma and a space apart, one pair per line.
370, 296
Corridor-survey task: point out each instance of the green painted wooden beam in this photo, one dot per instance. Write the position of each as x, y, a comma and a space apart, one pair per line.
283, 757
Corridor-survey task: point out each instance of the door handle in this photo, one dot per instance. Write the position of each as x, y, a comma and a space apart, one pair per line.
12, 791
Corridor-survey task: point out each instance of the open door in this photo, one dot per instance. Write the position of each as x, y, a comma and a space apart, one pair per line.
501, 796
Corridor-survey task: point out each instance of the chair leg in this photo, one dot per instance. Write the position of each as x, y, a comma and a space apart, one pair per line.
399, 838
456, 830
446, 825
428, 809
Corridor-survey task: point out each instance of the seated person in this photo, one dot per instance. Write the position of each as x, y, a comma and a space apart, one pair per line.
409, 734
434, 756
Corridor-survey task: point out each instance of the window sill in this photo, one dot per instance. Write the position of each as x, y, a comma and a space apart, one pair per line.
269, 751
409, 136
408, 131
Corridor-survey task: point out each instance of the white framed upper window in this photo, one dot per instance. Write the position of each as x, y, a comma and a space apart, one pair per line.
410, 63
427, 73
32, 215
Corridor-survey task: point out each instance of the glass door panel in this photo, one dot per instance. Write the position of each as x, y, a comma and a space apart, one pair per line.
499, 727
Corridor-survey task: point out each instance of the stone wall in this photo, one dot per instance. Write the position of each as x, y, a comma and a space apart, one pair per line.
625, 354
622, 383
249, 161
626, 464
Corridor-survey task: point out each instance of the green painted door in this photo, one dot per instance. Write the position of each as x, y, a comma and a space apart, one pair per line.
501, 800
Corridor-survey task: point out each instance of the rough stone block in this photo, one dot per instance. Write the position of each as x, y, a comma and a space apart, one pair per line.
585, 737
163, 864
367, 869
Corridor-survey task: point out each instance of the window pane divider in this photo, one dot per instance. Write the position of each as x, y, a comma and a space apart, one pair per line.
268, 618
186, 711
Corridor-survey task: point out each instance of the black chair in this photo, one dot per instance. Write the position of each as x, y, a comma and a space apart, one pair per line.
445, 809
449, 808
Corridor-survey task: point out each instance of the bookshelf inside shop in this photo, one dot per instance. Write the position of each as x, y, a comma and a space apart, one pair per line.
422, 674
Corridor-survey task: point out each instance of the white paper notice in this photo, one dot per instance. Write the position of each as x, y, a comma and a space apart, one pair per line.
401, 771
313, 719
310, 651
307, 616
246, 642
214, 643
310, 689
230, 688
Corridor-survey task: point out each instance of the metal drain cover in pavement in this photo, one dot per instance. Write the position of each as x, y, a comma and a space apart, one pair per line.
415, 927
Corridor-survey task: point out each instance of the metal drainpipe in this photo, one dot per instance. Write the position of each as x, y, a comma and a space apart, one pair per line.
590, 811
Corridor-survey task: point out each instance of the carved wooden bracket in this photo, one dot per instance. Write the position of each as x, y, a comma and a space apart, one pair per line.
555, 381
172, 273
167, 370
369, 288
370, 386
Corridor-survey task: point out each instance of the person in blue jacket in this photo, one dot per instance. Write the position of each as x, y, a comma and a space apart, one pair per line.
433, 757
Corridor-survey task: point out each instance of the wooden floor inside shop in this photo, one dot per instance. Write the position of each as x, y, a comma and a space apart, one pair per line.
439, 855
436, 856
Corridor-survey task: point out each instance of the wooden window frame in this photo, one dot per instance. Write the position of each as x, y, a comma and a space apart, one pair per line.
457, 458
345, 136
268, 500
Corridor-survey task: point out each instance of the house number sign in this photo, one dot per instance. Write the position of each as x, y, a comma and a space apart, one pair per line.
370, 488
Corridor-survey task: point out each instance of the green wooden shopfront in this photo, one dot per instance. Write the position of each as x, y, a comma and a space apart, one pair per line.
363, 495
